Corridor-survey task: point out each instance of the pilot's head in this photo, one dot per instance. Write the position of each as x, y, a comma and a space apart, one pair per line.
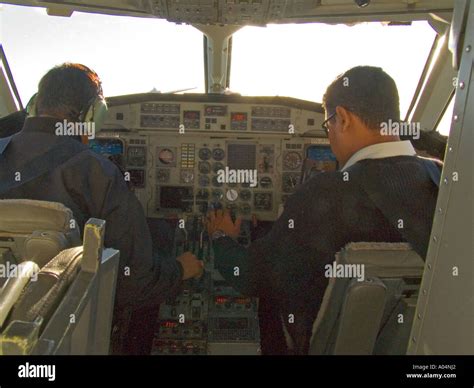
357, 103
67, 91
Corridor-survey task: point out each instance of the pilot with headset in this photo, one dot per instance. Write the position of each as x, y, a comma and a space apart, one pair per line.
52, 164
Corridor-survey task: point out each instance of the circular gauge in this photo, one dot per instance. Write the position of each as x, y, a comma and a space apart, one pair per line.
203, 180
204, 153
204, 167
231, 195
166, 156
245, 195
163, 175
290, 181
202, 194
187, 176
292, 160
216, 167
262, 201
266, 182
215, 182
218, 154
217, 194
245, 208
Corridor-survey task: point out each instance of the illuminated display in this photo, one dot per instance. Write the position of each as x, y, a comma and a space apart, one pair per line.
238, 116
238, 121
320, 153
106, 146
221, 299
168, 324
322, 159
192, 119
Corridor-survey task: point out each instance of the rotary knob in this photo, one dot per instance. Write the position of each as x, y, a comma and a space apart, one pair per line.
231, 195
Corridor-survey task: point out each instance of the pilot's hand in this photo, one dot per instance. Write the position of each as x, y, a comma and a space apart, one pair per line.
192, 267
221, 220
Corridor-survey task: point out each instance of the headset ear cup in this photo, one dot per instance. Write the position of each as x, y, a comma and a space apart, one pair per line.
97, 113
31, 106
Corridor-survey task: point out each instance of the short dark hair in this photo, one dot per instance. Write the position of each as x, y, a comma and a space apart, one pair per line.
369, 92
67, 90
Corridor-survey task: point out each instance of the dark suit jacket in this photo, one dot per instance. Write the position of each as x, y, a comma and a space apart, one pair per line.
321, 217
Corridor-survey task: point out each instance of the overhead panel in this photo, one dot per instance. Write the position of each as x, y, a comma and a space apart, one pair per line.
254, 12
194, 12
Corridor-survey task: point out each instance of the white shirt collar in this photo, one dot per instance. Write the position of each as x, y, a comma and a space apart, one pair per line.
381, 150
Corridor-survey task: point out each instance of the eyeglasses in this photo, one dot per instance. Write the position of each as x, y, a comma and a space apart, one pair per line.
324, 125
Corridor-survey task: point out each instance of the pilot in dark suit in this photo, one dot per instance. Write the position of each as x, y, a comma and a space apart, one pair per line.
59, 168
381, 182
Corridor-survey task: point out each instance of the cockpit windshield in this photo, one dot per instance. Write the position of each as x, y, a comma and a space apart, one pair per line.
301, 60
131, 55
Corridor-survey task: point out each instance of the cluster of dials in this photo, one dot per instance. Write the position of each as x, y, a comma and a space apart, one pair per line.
210, 162
292, 163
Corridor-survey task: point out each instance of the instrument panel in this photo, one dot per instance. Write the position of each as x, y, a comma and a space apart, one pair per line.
193, 153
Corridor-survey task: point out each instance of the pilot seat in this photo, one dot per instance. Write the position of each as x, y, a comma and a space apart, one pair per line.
375, 315
56, 295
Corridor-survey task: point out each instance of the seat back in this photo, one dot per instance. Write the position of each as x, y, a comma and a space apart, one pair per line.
373, 315
35, 231
41, 296
68, 308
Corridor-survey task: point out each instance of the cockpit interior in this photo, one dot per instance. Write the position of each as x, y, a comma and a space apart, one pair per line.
217, 105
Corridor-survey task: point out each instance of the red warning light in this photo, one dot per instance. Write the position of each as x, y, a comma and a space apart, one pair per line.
221, 299
239, 116
169, 324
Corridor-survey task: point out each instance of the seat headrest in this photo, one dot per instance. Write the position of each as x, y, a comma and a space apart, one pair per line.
383, 259
27, 216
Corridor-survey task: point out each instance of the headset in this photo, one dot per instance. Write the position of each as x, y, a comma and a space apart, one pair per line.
31, 106
95, 110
